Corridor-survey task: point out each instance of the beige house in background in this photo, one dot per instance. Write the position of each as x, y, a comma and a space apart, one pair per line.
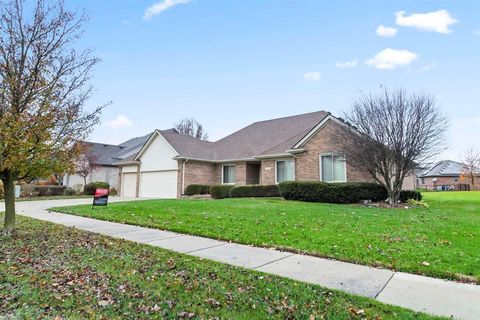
106, 155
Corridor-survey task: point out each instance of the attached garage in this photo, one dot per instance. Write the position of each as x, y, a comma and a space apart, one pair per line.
162, 184
129, 185
157, 169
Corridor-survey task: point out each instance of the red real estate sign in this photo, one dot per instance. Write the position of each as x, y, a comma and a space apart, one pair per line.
100, 198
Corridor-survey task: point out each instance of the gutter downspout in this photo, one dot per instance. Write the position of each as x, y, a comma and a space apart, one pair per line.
183, 176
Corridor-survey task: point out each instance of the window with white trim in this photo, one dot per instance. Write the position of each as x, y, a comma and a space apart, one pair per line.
285, 170
228, 174
333, 168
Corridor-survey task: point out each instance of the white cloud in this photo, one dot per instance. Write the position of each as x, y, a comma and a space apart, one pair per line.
346, 64
391, 58
383, 31
120, 122
426, 67
437, 21
476, 32
312, 76
159, 7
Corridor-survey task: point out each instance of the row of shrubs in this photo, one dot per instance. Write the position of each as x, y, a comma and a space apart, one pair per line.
315, 191
230, 191
311, 191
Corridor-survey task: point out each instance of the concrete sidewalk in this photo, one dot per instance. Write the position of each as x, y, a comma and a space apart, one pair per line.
434, 296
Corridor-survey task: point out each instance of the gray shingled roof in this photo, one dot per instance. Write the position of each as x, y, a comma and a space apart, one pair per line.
107, 154
103, 153
267, 137
445, 168
260, 138
188, 146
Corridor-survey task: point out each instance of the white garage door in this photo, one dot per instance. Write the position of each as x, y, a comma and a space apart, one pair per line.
129, 185
159, 184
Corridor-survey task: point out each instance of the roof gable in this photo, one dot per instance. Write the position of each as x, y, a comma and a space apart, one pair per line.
444, 168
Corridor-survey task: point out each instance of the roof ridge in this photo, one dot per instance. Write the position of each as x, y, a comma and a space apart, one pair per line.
105, 144
292, 116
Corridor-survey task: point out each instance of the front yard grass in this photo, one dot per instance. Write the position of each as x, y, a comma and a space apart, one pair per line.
51, 271
441, 241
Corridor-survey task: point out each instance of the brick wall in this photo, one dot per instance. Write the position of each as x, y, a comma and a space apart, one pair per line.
307, 164
197, 173
267, 172
441, 181
240, 173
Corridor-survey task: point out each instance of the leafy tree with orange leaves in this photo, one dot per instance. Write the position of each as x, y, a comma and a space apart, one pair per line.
471, 168
43, 89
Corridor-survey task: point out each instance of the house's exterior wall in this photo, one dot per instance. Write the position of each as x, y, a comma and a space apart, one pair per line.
267, 172
307, 164
240, 173
409, 182
429, 183
158, 156
103, 173
197, 173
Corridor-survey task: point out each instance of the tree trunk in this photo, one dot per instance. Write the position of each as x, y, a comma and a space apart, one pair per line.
393, 197
9, 192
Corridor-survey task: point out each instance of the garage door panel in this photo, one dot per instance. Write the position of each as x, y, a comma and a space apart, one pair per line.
158, 184
129, 185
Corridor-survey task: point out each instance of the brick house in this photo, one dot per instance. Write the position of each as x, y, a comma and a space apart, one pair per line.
444, 175
298, 147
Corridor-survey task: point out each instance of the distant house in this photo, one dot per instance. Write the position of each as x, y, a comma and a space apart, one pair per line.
444, 175
106, 155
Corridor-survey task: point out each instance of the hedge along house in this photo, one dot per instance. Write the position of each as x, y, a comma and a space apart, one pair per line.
298, 147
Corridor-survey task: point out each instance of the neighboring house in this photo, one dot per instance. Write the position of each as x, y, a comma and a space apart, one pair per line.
444, 175
106, 155
299, 147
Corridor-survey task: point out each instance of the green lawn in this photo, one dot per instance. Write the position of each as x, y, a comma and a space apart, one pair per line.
51, 271
441, 241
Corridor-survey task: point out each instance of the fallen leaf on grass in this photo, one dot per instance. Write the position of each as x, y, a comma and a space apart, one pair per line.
356, 312
186, 315
425, 263
103, 303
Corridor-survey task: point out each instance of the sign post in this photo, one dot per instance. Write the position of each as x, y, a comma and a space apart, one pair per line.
100, 198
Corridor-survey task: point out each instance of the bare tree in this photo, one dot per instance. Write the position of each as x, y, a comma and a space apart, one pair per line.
471, 167
389, 135
43, 88
191, 127
86, 163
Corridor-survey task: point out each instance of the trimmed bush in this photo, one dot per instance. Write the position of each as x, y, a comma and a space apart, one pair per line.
89, 188
406, 195
47, 191
69, 192
113, 192
348, 192
197, 189
220, 191
255, 191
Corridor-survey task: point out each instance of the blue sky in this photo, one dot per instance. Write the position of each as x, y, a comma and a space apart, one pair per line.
230, 63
